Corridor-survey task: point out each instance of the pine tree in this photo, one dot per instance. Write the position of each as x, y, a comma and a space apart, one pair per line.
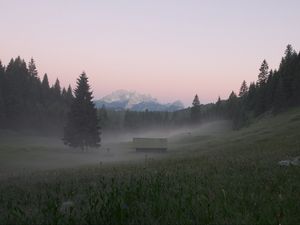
218, 103
69, 96
70, 92
260, 97
82, 127
232, 104
35, 83
289, 52
64, 92
45, 92
287, 69
244, 89
263, 73
195, 110
56, 89
45, 82
218, 107
250, 100
32, 69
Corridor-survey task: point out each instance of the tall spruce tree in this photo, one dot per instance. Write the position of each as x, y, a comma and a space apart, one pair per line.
244, 89
82, 127
287, 70
56, 89
67, 96
45, 82
263, 73
232, 105
289, 52
195, 110
45, 91
32, 69
35, 82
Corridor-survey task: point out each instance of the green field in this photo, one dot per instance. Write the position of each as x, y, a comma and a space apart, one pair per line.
211, 175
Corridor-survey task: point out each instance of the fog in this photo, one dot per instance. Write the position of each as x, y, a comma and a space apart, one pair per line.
28, 153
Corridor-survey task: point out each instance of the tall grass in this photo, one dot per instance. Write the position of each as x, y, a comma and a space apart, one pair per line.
236, 181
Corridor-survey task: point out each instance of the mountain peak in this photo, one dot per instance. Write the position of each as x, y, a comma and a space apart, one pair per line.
131, 96
123, 99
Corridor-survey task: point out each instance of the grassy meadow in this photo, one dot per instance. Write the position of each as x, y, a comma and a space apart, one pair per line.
210, 176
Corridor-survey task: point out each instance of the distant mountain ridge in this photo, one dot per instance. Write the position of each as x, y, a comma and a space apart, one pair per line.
122, 100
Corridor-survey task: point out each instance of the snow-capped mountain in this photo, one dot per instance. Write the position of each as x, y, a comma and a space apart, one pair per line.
122, 99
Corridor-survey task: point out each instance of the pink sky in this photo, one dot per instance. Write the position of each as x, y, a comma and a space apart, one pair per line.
169, 49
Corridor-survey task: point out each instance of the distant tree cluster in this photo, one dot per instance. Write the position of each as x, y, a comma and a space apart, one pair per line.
134, 120
27, 102
116, 120
274, 91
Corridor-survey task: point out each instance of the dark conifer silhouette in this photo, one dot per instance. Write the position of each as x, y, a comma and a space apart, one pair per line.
56, 89
243, 89
82, 127
67, 95
260, 99
232, 104
264, 72
45, 82
195, 110
32, 69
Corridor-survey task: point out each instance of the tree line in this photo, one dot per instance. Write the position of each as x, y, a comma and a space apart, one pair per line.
28, 102
273, 92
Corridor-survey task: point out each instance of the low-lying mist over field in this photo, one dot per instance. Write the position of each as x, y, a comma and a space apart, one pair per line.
25, 153
212, 171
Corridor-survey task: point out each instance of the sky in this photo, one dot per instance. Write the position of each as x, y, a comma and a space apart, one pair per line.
171, 49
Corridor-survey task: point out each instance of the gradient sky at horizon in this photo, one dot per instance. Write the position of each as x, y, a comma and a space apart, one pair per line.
169, 49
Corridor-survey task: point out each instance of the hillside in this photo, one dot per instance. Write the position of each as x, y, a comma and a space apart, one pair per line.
214, 176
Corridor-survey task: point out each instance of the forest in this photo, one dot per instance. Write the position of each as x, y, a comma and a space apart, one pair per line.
30, 103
